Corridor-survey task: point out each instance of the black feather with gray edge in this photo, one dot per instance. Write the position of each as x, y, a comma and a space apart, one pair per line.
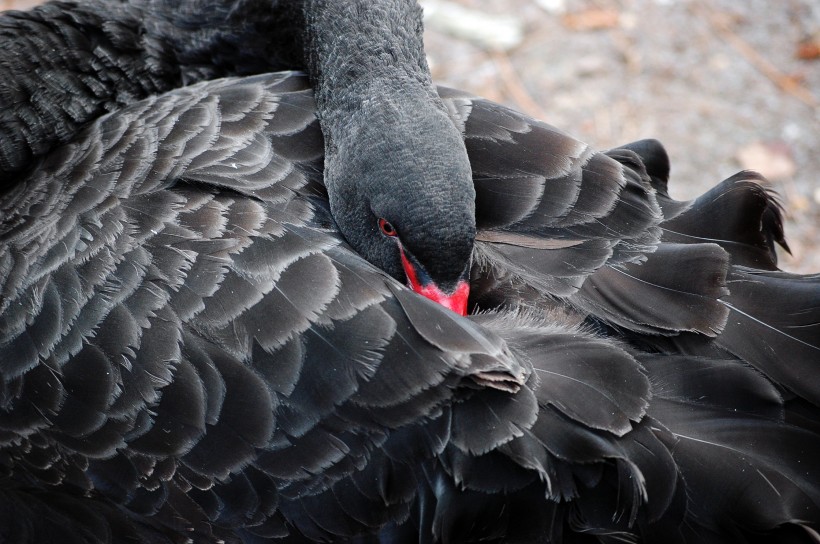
65, 63
772, 317
183, 259
417, 383
238, 374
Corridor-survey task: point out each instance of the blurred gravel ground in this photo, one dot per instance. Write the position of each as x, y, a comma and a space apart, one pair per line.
724, 84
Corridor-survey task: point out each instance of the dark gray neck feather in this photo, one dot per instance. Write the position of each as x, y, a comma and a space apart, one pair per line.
356, 47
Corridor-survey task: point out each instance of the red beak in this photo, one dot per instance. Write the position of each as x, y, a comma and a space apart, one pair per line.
456, 301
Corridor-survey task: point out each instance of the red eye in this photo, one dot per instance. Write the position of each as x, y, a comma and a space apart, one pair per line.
386, 228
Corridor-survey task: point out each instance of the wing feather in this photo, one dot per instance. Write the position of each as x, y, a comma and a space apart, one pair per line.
191, 340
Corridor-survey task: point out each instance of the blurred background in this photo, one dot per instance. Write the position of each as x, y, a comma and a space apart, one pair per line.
724, 84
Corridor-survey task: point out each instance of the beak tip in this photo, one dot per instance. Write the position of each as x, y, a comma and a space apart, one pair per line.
455, 301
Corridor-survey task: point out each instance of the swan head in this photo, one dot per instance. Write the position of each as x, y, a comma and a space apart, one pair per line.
401, 192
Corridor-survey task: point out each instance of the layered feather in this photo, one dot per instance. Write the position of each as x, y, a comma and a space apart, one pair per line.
190, 349
217, 318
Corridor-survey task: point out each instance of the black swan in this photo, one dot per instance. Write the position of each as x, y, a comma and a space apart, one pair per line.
194, 349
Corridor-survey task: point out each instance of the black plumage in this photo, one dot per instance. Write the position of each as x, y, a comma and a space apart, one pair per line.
66, 63
191, 349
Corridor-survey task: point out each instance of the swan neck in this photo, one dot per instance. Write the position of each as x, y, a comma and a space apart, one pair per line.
355, 46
